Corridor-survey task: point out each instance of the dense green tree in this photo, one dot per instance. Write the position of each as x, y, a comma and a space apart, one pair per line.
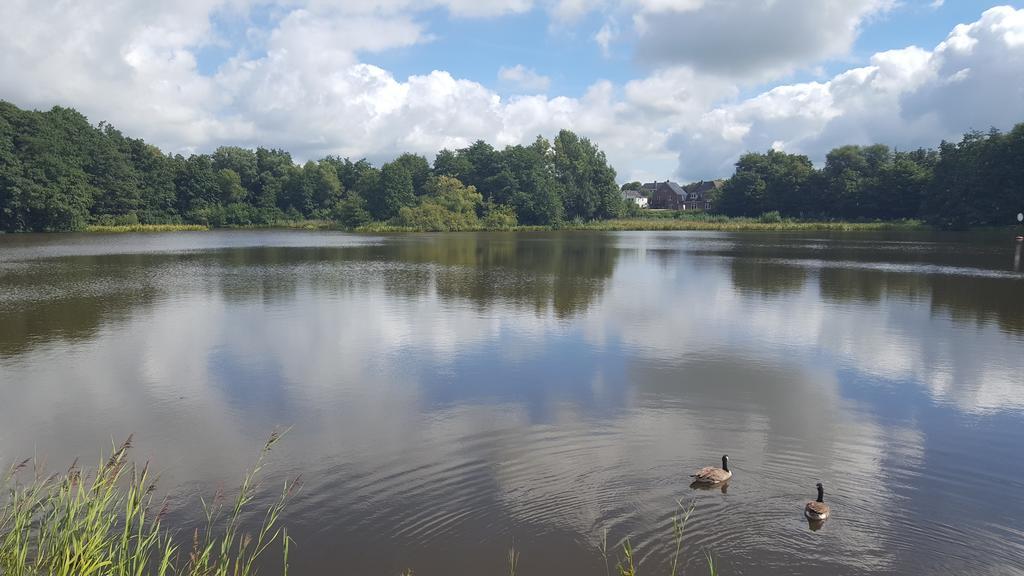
359, 178
531, 188
743, 194
12, 185
587, 181
978, 181
157, 200
274, 168
311, 190
774, 181
325, 185
454, 164
351, 211
902, 185
296, 194
53, 191
242, 161
395, 191
484, 168
851, 179
872, 182
230, 185
419, 170
195, 183
114, 179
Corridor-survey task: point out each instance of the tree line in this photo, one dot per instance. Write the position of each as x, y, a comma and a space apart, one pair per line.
59, 172
978, 181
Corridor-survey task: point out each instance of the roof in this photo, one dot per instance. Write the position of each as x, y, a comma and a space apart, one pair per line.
675, 188
703, 187
632, 194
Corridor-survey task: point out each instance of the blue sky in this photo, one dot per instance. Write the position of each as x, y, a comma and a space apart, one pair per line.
566, 53
679, 89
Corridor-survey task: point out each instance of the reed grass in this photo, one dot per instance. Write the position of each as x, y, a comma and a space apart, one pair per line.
120, 229
301, 225
712, 569
513, 561
104, 522
654, 221
627, 564
697, 222
741, 224
678, 528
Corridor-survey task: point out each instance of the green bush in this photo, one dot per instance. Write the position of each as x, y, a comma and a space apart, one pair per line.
448, 206
432, 217
500, 217
631, 210
157, 217
351, 212
427, 216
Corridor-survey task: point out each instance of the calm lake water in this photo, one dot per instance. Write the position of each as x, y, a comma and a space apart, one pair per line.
452, 394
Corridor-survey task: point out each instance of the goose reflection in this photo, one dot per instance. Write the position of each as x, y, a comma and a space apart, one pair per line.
723, 486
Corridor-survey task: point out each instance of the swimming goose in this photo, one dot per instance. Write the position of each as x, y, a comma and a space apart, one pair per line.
817, 509
712, 475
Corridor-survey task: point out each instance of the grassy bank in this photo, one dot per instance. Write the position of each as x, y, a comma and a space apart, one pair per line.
695, 222
654, 221
283, 225
145, 228
743, 224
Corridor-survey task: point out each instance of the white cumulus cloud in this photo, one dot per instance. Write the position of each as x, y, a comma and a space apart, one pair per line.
524, 79
750, 40
304, 84
909, 97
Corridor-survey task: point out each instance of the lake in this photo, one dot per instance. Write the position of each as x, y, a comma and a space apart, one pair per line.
452, 395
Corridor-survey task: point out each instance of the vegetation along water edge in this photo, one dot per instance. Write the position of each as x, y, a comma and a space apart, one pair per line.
58, 172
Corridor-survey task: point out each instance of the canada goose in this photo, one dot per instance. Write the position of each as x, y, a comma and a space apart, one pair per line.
712, 475
817, 509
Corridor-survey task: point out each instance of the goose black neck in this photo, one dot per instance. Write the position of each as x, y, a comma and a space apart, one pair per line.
821, 494
725, 463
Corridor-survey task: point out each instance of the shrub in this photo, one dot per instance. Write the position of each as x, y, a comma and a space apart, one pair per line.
433, 217
500, 217
351, 212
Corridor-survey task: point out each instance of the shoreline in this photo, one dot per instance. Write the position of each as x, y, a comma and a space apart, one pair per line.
664, 224
621, 225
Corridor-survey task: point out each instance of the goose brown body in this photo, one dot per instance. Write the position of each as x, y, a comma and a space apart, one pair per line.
817, 509
712, 475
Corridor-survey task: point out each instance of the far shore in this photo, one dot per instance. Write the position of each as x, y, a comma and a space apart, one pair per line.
706, 223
